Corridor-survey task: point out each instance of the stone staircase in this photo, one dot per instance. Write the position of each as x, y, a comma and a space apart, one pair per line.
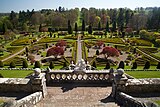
72, 96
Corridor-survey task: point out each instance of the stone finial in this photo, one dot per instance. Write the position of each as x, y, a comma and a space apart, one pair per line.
37, 71
120, 72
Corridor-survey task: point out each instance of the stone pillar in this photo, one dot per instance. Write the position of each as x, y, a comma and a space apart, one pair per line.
119, 81
38, 82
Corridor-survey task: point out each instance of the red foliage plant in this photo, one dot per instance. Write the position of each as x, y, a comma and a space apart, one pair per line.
61, 43
99, 43
55, 51
110, 52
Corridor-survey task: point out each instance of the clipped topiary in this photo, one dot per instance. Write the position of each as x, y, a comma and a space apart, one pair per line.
25, 64
107, 65
1, 64
121, 65
37, 64
51, 65
147, 65
94, 64
158, 66
134, 65
97, 52
64, 64
12, 65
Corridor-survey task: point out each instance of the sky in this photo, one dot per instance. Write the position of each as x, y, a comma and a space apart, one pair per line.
17, 5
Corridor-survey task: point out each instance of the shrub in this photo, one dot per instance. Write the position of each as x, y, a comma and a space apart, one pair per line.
107, 65
121, 65
37, 64
94, 64
25, 64
12, 65
134, 65
51, 65
1, 64
158, 66
147, 65
97, 52
64, 64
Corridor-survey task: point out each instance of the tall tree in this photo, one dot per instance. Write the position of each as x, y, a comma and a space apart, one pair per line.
99, 25
114, 26
83, 25
76, 27
107, 27
90, 29
4, 29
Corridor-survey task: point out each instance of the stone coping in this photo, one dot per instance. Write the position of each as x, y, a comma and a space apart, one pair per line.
87, 71
14, 81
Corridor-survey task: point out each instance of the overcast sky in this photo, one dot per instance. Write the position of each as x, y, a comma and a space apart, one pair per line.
17, 5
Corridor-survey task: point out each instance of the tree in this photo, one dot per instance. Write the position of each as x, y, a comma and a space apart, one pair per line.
12, 65
121, 65
110, 52
97, 52
55, 51
107, 27
107, 65
76, 27
51, 65
99, 25
114, 26
25, 64
64, 64
40, 27
99, 43
4, 28
83, 25
70, 31
134, 65
158, 66
61, 43
90, 29
147, 65
37, 64
1, 64
94, 64
27, 50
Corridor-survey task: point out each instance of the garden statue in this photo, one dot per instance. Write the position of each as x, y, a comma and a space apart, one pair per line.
72, 66
37, 72
81, 66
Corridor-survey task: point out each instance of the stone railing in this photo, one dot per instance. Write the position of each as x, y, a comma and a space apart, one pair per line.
150, 85
128, 101
70, 75
29, 100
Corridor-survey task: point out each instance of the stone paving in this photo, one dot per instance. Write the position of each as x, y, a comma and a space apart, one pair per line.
81, 96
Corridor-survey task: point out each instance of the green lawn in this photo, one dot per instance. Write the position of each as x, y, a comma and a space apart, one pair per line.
144, 74
158, 102
15, 73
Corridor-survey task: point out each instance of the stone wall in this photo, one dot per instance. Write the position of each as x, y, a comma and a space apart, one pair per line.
140, 86
28, 85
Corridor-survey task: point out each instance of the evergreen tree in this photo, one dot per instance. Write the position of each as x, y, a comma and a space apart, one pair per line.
107, 27
134, 65
64, 64
25, 64
97, 52
4, 28
158, 66
37, 64
121, 65
70, 29
90, 29
40, 27
83, 25
147, 65
114, 26
12, 65
76, 27
107, 65
51, 65
94, 64
1, 64
99, 25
